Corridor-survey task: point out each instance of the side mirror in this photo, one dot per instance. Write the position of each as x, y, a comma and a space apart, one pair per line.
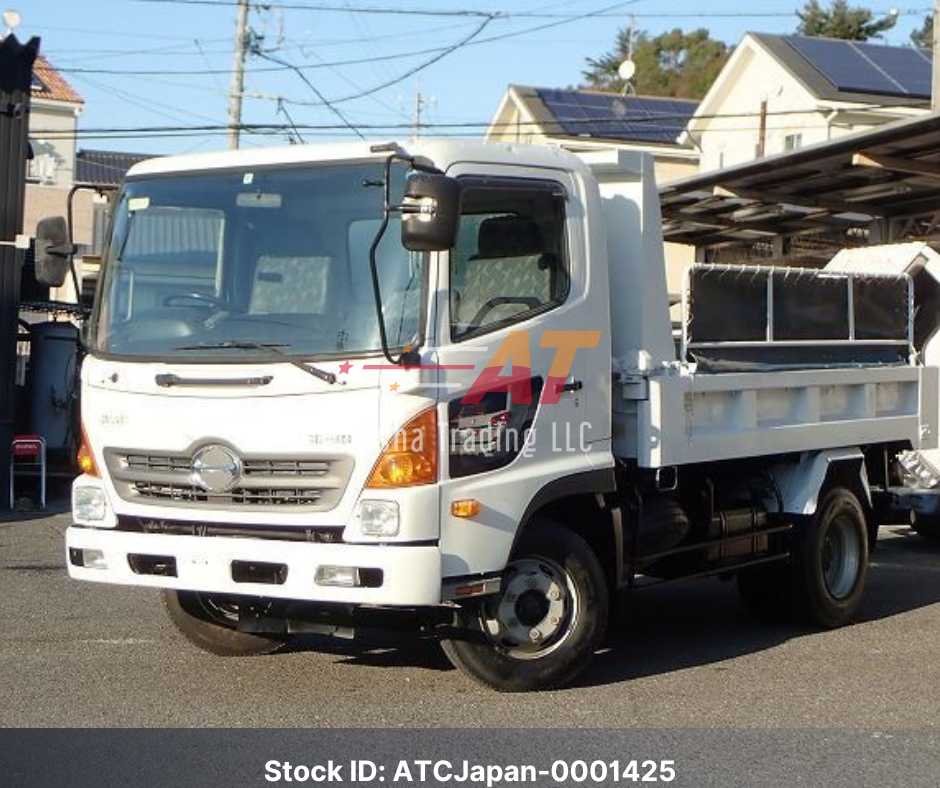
52, 251
430, 212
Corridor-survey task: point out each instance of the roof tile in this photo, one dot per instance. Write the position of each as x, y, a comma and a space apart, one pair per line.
50, 84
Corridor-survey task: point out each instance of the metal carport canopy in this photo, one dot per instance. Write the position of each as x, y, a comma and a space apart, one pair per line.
857, 181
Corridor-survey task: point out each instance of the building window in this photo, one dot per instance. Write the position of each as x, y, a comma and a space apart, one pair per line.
44, 165
793, 142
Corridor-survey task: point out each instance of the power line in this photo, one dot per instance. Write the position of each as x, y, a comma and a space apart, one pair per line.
560, 20
427, 63
309, 84
652, 122
331, 7
394, 11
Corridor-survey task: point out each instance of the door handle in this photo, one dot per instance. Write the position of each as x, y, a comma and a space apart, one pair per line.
575, 385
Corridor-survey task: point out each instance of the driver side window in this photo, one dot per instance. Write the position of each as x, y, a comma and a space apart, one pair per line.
510, 261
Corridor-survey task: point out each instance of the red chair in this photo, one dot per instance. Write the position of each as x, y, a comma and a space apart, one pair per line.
31, 447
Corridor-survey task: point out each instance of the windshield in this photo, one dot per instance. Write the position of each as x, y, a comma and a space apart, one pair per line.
240, 262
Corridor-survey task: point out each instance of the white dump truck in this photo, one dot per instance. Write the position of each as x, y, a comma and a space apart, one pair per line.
351, 385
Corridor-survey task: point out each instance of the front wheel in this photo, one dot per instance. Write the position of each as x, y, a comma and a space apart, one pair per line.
210, 621
546, 622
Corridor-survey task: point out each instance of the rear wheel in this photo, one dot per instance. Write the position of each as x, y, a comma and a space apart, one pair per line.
210, 622
830, 561
546, 622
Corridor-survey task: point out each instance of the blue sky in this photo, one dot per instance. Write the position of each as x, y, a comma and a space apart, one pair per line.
166, 63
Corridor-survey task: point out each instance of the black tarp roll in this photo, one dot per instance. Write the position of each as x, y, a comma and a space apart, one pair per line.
753, 318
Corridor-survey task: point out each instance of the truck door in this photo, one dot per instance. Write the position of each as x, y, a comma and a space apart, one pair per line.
519, 338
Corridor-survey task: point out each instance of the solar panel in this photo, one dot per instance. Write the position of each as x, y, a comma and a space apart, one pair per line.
611, 116
908, 66
856, 67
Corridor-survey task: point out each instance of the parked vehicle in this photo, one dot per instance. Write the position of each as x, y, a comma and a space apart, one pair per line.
285, 343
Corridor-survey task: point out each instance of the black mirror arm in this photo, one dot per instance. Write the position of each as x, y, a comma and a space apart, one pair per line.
410, 357
373, 264
62, 250
397, 153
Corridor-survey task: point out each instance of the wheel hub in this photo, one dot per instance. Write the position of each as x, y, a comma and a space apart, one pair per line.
840, 557
534, 607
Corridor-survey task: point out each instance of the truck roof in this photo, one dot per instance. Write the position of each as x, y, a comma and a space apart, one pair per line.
442, 153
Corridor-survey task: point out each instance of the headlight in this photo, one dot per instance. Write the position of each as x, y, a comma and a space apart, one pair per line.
89, 504
379, 518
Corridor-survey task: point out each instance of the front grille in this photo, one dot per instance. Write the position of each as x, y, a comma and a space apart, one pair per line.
240, 496
142, 525
267, 483
304, 469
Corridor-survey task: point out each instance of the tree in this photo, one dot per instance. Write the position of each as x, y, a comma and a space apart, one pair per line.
674, 63
923, 37
840, 20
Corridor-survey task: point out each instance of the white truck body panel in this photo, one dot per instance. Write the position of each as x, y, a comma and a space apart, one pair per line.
410, 575
691, 418
658, 412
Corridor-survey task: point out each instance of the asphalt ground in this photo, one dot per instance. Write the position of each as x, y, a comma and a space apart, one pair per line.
684, 655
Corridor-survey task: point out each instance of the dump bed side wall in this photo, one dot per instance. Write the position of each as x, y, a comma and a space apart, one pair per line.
701, 418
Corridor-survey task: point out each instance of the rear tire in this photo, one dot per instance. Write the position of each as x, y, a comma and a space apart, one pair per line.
545, 624
209, 622
830, 561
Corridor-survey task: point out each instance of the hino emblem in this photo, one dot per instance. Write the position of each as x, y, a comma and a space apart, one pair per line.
216, 469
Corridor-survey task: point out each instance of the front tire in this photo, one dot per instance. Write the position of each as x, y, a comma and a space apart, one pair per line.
546, 622
209, 622
830, 561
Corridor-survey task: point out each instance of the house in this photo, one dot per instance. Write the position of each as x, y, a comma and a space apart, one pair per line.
782, 92
105, 167
585, 120
55, 107
57, 166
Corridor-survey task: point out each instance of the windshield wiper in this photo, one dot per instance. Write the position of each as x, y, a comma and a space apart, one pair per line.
274, 347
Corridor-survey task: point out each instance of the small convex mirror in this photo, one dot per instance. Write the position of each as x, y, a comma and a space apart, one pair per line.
52, 251
430, 212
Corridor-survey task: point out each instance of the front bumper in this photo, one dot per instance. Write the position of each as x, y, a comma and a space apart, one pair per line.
410, 575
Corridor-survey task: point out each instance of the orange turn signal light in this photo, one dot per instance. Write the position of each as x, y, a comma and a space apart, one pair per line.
410, 458
465, 508
86, 460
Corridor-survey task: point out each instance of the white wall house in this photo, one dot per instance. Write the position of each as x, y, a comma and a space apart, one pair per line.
55, 108
588, 122
808, 90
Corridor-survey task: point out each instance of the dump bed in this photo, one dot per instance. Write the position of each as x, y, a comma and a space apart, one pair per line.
779, 360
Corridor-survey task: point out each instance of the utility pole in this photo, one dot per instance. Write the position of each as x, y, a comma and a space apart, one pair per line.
762, 129
420, 103
935, 92
238, 74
